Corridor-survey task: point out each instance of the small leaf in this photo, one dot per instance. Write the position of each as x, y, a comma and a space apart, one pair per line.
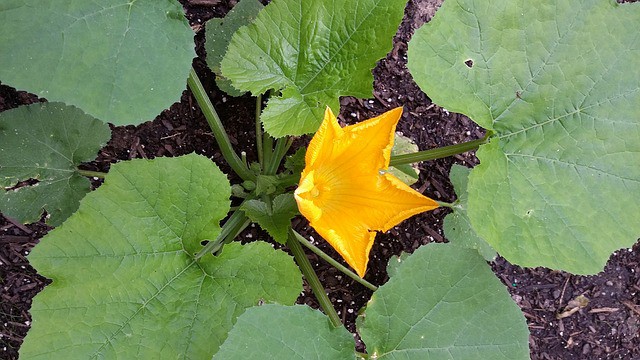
121, 61
266, 184
311, 52
46, 142
444, 302
125, 282
457, 227
407, 173
552, 81
295, 163
275, 220
218, 36
286, 332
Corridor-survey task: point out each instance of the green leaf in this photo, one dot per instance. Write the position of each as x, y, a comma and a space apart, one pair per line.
125, 283
456, 225
394, 263
557, 82
218, 36
121, 61
275, 220
444, 302
312, 52
266, 184
46, 142
407, 173
295, 163
286, 332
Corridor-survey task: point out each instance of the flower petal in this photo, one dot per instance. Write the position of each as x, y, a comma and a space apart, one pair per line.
376, 134
321, 146
352, 240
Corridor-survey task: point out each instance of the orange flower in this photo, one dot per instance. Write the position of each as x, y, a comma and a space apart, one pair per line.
345, 191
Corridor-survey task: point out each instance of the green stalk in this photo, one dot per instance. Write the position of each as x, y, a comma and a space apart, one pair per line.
237, 230
446, 204
267, 149
236, 223
334, 263
259, 131
218, 129
282, 146
90, 173
312, 279
439, 153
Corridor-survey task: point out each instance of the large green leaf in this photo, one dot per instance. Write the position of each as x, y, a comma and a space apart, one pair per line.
46, 142
286, 332
456, 225
443, 302
558, 82
125, 282
313, 52
219, 33
121, 61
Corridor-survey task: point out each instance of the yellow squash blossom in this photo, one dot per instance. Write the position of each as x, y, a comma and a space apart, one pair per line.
345, 191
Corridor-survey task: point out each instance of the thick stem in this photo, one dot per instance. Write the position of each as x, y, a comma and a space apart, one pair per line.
439, 153
334, 263
236, 223
312, 279
267, 149
90, 173
218, 129
282, 146
259, 131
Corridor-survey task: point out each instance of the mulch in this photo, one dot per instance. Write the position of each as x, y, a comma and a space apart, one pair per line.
608, 327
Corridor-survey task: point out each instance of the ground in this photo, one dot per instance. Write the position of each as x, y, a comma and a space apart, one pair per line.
607, 328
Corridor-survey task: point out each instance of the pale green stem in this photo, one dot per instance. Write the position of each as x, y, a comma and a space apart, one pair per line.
282, 146
445, 204
235, 224
438, 153
312, 279
267, 149
259, 131
90, 173
218, 129
334, 263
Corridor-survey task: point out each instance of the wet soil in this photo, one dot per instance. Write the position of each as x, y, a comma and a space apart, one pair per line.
607, 328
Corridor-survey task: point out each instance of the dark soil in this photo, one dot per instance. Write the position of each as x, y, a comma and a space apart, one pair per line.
607, 328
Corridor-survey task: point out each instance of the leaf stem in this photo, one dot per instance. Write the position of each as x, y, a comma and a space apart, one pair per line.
90, 173
312, 278
267, 149
333, 262
218, 129
259, 130
234, 225
445, 204
439, 153
282, 146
